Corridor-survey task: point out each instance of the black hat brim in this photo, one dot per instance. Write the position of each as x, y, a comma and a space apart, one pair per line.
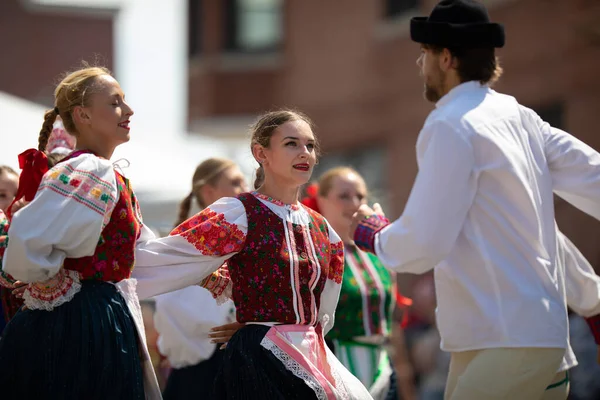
444, 34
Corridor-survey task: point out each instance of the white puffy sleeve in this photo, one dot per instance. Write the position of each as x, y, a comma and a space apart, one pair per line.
427, 230
333, 285
65, 219
195, 249
183, 320
581, 282
574, 166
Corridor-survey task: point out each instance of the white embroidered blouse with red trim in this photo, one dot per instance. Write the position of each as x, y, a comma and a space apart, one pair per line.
64, 221
201, 245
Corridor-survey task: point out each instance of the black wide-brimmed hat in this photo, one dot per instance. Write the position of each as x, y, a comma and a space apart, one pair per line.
457, 23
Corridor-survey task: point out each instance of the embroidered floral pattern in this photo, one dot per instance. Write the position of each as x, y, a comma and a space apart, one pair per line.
134, 201
52, 293
274, 277
10, 304
364, 236
336, 266
217, 282
113, 259
210, 233
82, 186
5, 279
270, 199
3, 223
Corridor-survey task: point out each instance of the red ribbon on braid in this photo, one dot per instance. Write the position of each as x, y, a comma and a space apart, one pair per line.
311, 197
34, 164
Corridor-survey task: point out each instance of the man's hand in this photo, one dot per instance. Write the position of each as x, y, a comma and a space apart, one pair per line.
363, 212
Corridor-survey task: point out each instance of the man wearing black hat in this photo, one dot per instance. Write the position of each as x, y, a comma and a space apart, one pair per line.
481, 213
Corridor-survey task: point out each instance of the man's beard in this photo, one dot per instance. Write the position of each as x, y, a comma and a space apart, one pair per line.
431, 94
434, 87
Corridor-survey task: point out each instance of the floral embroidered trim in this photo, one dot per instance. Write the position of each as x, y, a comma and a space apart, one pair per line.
3, 245
294, 367
6, 280
59, 289
280, 203
3, 223
364, 237
219, 284
210, 233
82, 186
226, 295
134, 201
336, 263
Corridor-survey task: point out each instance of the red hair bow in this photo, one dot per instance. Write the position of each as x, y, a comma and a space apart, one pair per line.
34, 164
311, 197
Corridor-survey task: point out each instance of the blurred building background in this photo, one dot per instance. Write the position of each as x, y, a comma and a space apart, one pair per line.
349, 65
198, 72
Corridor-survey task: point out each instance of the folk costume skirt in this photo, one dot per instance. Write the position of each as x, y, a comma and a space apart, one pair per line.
283, 362
196, 381
250, 371
86, 348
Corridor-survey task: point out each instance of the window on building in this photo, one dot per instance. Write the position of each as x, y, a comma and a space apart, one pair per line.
369, 162
253, 25
395, 8
552, 114
194, 27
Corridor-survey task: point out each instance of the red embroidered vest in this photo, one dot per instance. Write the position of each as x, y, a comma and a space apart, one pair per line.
113, 259
277, 278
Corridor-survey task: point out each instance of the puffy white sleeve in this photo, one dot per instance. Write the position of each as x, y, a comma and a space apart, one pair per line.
333, 284
574, 166
581, 282
65, 219
194, 250
427, 230
183, 320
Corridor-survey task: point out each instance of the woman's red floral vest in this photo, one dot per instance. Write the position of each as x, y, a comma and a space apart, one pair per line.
261, 271
113, 259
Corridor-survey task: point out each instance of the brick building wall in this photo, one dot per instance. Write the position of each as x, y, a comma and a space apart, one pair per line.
353, 71
351, 68
37, 46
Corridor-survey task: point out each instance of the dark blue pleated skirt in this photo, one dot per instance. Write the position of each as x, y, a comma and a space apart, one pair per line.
86, 348
194, 382
249, 371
